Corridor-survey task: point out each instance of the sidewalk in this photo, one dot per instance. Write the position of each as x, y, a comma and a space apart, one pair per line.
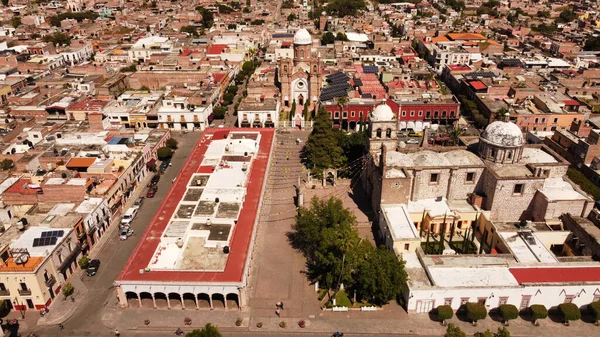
62, 309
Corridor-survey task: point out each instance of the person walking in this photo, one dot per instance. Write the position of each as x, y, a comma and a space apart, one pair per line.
278, 305
281, 305
61, 327
117, 333
278, 312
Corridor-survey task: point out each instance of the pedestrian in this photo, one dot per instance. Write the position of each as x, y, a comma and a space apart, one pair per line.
281, 305
173, 181
61, 327
170, 164
117, 333
278, 305
278, 312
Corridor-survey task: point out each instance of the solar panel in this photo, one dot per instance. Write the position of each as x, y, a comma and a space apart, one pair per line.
370, 69
36, 242
50, 234
358, 82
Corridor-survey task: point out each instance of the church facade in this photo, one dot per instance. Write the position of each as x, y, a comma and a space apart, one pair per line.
300, 77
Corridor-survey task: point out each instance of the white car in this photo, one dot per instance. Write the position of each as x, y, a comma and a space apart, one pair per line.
125, 233
412, 141
129, 216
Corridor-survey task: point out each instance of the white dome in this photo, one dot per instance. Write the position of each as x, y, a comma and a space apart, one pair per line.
302, 37
505, 134
382, 113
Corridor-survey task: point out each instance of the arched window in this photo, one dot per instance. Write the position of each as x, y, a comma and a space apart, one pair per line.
388, 133
378, 133
301, 53
509, 154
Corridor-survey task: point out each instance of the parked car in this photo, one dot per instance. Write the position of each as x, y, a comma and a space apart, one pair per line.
154, 180
138, 202
412, 141
126, 232
151, 192
129, 216
164, 166
92, 268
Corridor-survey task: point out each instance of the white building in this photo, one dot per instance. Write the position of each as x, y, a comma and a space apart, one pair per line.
77, 53
148, 46
184, 113
260, 113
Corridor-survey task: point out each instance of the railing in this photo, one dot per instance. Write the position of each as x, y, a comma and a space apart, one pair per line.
26, 292
51, 281
4, 292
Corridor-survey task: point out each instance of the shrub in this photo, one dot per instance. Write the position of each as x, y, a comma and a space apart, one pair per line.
476, 311
454, 331
68, 289
171, 143
301, 323
444, 312
595, 310
508, 312
538, 311
238, 322
569, 311
6, 164
164, 153
283, 324
146, 322
84, 262
259, 325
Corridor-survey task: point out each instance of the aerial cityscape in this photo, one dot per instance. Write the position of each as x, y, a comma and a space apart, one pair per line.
252, 168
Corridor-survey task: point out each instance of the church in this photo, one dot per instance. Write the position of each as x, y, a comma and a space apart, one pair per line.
300, 77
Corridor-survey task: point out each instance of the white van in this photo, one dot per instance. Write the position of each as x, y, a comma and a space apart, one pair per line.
129, 216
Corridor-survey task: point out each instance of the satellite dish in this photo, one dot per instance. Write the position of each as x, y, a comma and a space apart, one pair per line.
21, 259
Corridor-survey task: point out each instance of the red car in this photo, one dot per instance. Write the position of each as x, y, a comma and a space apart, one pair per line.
151, 192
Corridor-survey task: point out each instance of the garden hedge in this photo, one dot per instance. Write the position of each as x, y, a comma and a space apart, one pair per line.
538, 311
569, 311
595, 309
444, 312
476, 311
508, 312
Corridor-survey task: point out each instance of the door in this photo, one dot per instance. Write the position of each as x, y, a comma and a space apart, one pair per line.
424, 306
524, 302
30, 303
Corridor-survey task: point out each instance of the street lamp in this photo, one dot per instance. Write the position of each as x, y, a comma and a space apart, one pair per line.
17, 303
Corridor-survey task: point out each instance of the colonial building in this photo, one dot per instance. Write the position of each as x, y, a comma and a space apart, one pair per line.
300, 77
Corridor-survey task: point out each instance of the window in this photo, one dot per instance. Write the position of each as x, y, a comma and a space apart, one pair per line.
502, 301
403, 113
23, 286
436, 113
2, 287
464, 300
448, 301
569, 299
470, 176
536, 120
444, 113
352, 114
406, 246
337, 114
345, 114
428, 114
518, 189
451, 113
35, 136
412, 114
543, 120
433, 178
378, 133
555, 120
388, 133
420, 113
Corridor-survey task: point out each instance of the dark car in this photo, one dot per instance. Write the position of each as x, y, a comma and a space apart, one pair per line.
92, 268
154, 180
163, 167
151, 192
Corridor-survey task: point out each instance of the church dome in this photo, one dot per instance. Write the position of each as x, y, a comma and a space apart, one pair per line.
382, 113
302, 37
503, 134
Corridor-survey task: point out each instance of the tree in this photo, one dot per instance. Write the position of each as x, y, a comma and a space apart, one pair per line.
502, 332
379, 276
58, 39
570, 312
340, 36
219, 112
191, 30
592, 43
164, 153
68, 289
292, 17
454, 331
444, 313
475, 311
5, 3
209, 330
508, 312
84, 262
15, 21
293, 110
543, 14
567, 16
6, 164
144, 88
486, 333
455, 135
538, 311
343, 8
172, 143
594, 308
327, 38
208, 18
321, 149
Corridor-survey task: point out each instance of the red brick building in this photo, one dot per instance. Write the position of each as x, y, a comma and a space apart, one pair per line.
354, 111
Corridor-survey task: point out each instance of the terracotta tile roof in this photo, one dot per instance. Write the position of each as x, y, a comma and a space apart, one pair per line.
80, 162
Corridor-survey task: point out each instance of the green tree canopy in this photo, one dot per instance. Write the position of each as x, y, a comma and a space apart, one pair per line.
172, 143
592, 43
79, 16
340, 36
321, 149
209, 330
5, 3
566, 16
343, 8
191, 30
454, 331
58, 39
164, 153
292, 17
327, 38
208, 18
15, 21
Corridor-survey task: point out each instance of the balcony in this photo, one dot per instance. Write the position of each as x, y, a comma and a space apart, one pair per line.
4, 292
50, 282
25, 292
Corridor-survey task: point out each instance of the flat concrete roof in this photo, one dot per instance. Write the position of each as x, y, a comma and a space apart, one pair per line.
399, 221
472, 277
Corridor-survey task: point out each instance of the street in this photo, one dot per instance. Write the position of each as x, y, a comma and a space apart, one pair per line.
87, 320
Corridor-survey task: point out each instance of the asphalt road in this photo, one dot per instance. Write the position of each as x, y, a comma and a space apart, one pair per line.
87, 320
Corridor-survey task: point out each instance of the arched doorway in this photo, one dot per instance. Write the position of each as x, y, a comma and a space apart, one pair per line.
161, 300
232, 301
132, 299
345, 125
189, 301
146, 299
301, 99
204, 301
175, 300
218, 301
353, 126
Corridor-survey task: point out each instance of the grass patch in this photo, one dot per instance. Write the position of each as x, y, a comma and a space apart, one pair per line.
342, 300
458, 247
322, 294
432, 248
583, 182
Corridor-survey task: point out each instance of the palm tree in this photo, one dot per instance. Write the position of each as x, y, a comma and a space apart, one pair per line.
455, 135
500, 113
342, 101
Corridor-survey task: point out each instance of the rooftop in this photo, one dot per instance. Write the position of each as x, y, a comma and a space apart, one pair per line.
213, 204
